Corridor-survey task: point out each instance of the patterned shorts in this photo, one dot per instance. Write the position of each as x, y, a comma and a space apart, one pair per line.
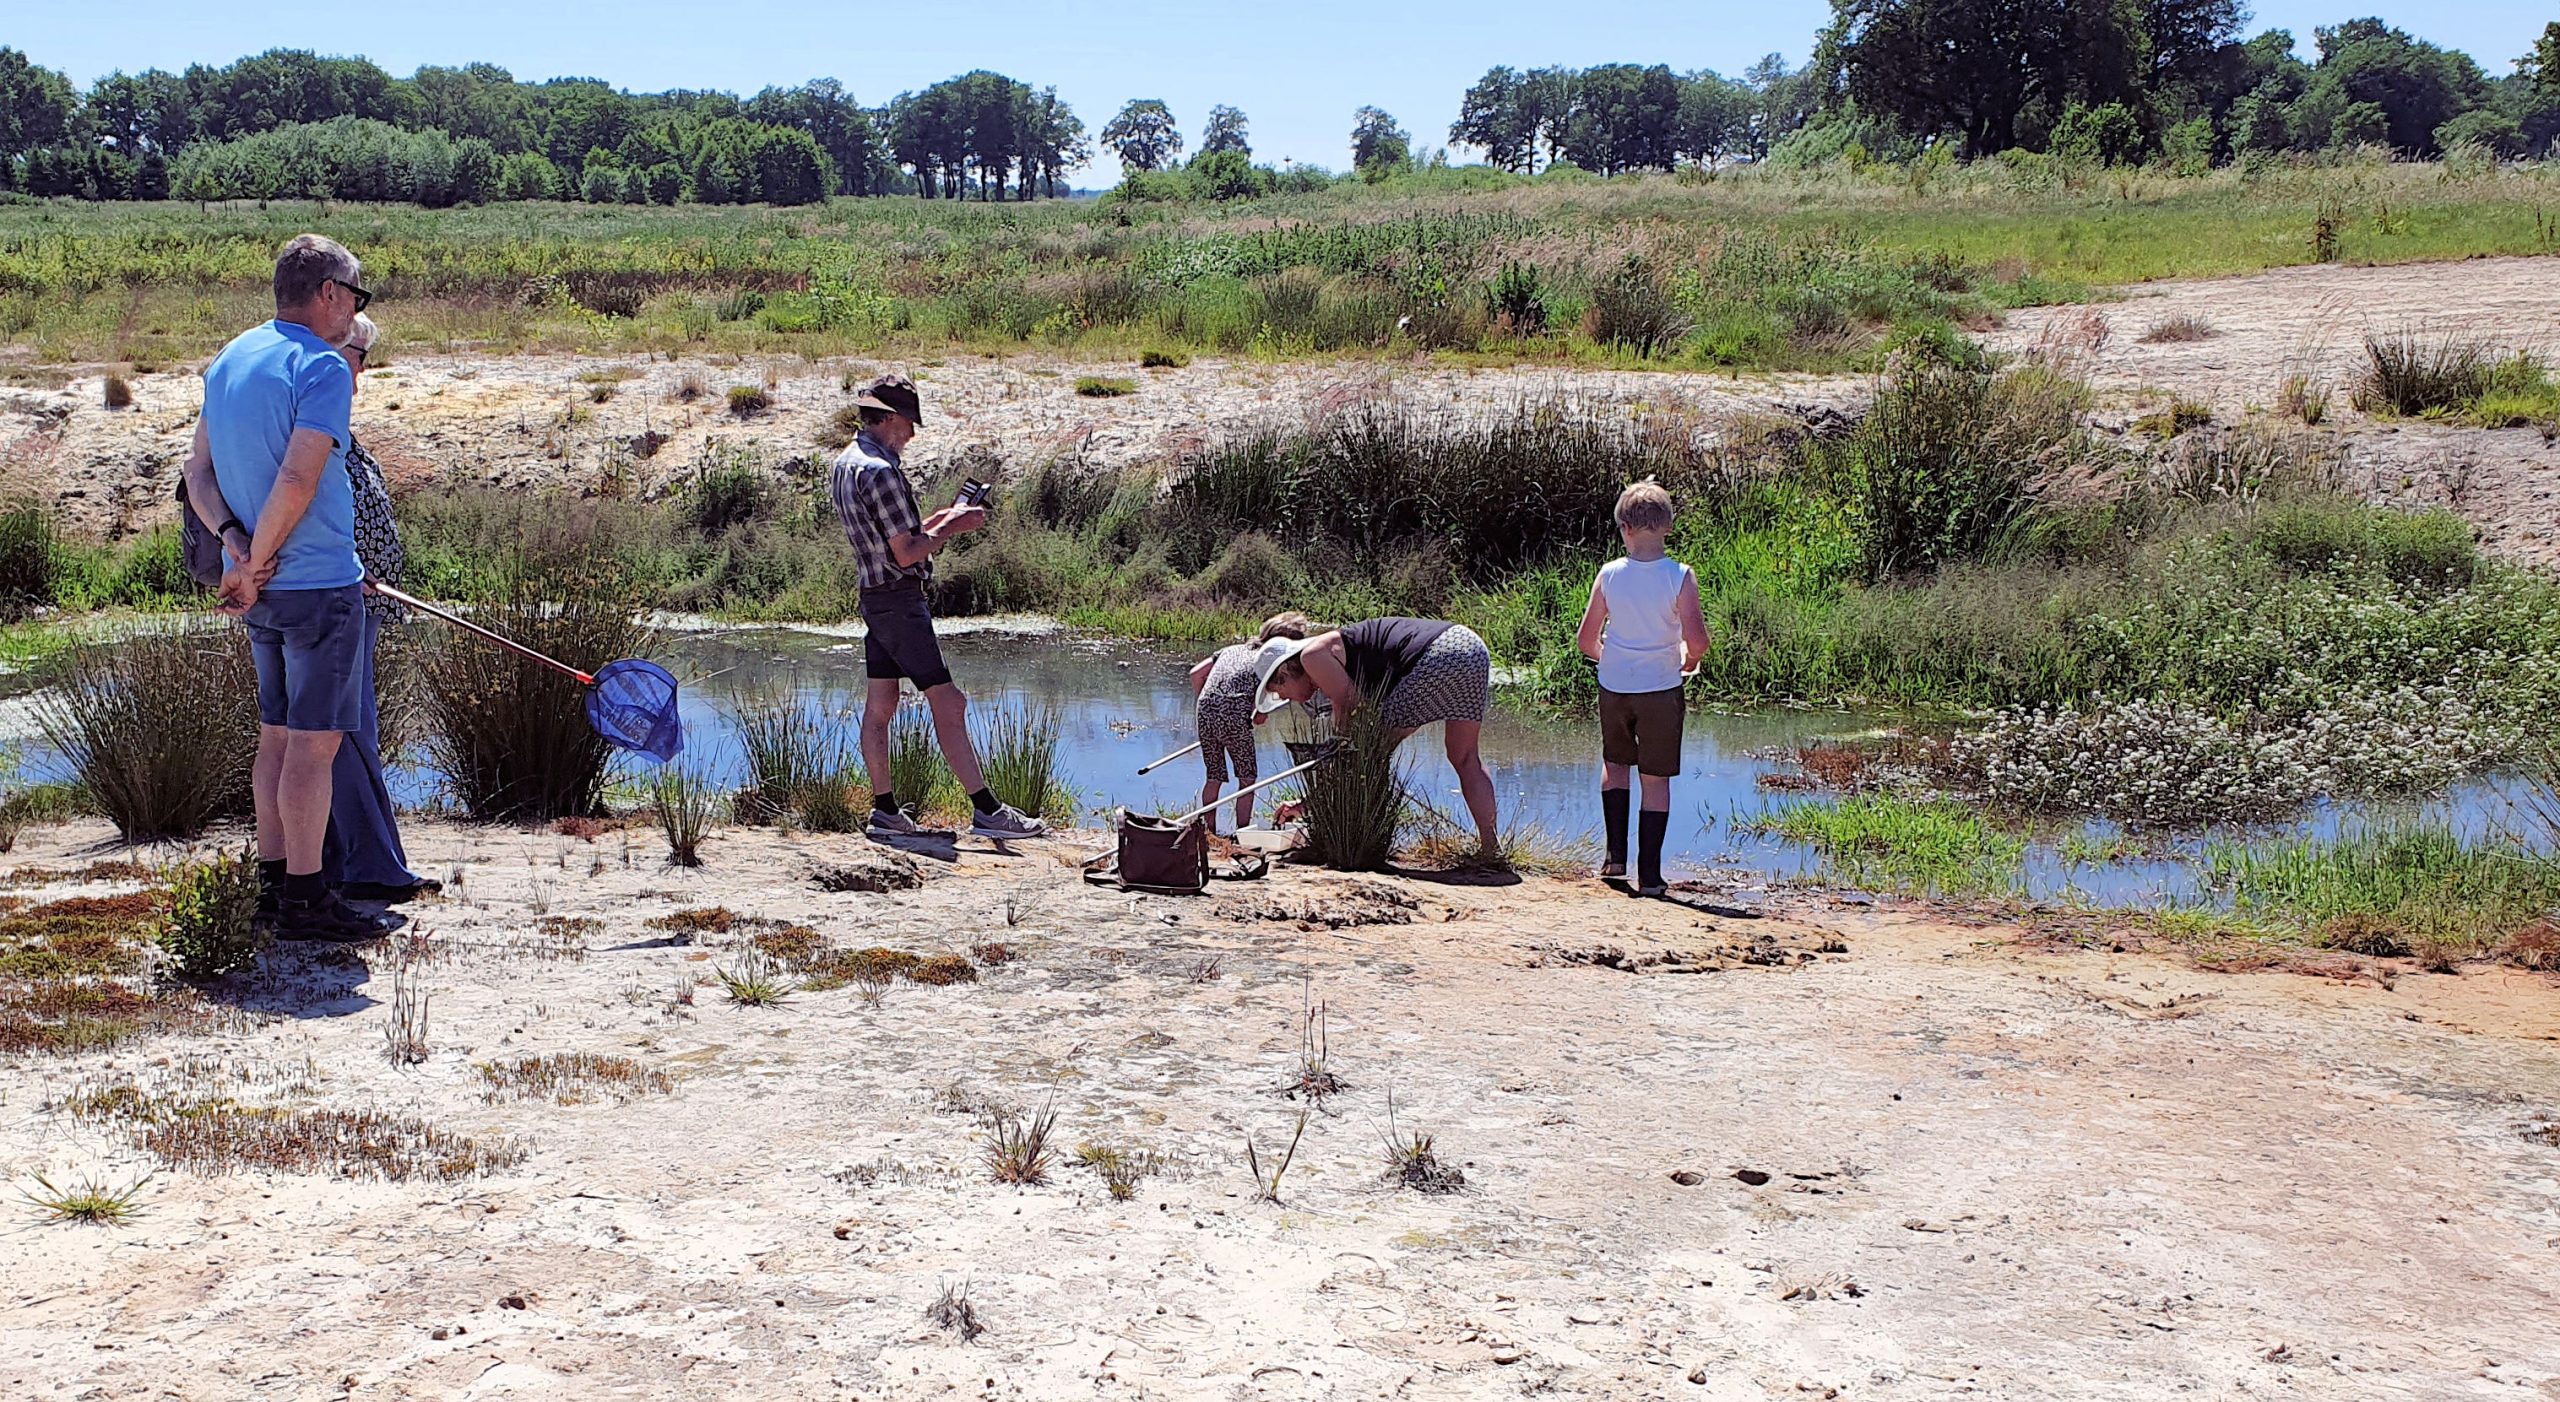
1226, 736
1453, 681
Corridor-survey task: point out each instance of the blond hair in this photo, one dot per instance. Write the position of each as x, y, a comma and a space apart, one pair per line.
1645, 506
1284, 625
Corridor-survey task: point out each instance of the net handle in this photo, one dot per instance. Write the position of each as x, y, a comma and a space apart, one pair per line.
458, 621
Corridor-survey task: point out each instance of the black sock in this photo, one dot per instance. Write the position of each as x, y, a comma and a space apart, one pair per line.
1650, 827
271, 876
305, 889
884, 802
984, 800
1613, 811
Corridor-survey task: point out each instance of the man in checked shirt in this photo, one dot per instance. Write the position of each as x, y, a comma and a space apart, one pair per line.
895, 550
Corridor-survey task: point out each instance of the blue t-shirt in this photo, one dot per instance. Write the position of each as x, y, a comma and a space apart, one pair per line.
269, 381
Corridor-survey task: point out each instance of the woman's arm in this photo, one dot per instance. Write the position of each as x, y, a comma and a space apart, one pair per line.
1694, 640
1200, 671
1595, 616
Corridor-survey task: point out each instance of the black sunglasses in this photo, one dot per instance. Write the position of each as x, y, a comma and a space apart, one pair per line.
363, 298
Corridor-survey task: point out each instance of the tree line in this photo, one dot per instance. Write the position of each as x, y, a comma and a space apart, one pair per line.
2105, 81
289, 123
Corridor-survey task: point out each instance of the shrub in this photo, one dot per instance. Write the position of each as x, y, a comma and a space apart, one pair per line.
747, 401
1939, 470
510, 734
209, 913
160, 727
2407, 372
1153, 358
1517, 300
726, 493
1104, 386
118, 393
1632, 309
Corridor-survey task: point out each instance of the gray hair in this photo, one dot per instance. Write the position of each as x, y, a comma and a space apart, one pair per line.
360, 334
307, 264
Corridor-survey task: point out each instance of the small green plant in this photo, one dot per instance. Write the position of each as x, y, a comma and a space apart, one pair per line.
684, 799
1413, 1163
1018, 1146
1155, 358
89, 1200
2304, 398
747, 401
208, 924
1104, 386
1120, 1170
757, 981
1266, 1186
2181, 415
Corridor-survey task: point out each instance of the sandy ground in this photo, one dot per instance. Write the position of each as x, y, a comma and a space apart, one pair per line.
531, 422
1914, 1159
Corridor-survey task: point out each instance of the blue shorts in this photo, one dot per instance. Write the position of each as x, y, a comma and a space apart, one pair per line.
312, 650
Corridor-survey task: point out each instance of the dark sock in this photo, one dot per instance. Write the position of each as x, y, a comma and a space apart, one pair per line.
305, 889
984, 800
1650, 827
1613, 811
884, 803
271, 876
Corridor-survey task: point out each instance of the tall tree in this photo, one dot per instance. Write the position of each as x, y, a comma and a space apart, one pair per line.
1714, 118
1977, 66
1377, 143
1143, 135
1225, 132
1494, 119
2417, 86
36, 105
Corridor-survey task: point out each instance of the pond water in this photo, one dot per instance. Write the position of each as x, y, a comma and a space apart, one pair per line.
1120, 704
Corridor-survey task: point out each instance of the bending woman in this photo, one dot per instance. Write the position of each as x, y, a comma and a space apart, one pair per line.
1231, 704
1418, 671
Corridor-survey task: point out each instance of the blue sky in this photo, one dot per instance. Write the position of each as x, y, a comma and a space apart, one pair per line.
1297, 68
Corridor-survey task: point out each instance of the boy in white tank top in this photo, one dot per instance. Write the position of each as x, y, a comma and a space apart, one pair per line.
1647, 630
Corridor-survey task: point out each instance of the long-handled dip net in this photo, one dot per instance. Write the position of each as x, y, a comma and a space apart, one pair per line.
631, 703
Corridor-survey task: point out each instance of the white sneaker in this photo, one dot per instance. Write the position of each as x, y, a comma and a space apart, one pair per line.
892, 822
1008, 821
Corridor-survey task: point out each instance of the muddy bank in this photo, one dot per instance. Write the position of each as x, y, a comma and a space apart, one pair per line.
1836, 1150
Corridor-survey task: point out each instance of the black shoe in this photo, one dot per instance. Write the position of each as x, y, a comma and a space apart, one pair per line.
327, 919
389, 894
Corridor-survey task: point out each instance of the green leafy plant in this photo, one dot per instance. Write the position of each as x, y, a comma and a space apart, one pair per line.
89, 1200
684, 799
757, 981
209, 911
1104, 386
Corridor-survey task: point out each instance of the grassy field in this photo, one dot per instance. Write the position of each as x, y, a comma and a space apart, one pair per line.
1752, 268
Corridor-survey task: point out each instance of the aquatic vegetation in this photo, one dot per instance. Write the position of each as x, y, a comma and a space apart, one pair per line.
2418, 884
1932, 847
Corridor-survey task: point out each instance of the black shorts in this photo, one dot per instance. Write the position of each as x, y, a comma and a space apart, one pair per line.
897, 637
1641, 729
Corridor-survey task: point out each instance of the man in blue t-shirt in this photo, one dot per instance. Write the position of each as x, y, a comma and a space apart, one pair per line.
268, 475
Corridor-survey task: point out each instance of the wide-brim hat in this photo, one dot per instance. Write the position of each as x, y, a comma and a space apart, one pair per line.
1267, 659
895, 394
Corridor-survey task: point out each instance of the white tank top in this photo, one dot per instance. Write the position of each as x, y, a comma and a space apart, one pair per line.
1640, 647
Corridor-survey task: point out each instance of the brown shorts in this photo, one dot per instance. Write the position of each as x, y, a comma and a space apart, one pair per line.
1641, 729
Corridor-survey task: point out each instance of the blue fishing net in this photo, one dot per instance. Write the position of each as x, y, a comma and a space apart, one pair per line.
633, 706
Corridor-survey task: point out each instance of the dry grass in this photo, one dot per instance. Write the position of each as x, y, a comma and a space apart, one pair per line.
2184, 326
698, 920
942, 971
952, 1312
1413, 1163
571, 1078
64, 1017
2535, 947
404, 1036
1266, 1186
335, 1143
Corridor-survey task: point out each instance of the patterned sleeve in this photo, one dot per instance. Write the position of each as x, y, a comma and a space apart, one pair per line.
891, 501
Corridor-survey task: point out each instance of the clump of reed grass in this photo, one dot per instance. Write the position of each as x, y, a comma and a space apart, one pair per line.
684, 799
160, 727
2413, 373
792, 750
209, 910
1018, 1146
1634, 309
1355, 800
510, 735
1018, 750
2416, 886
747, 401
1413, 1162
2179, 327
27, 548
1158, 358
918, 774
90, 1200
1266, 1184
757, 981
1104, 386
